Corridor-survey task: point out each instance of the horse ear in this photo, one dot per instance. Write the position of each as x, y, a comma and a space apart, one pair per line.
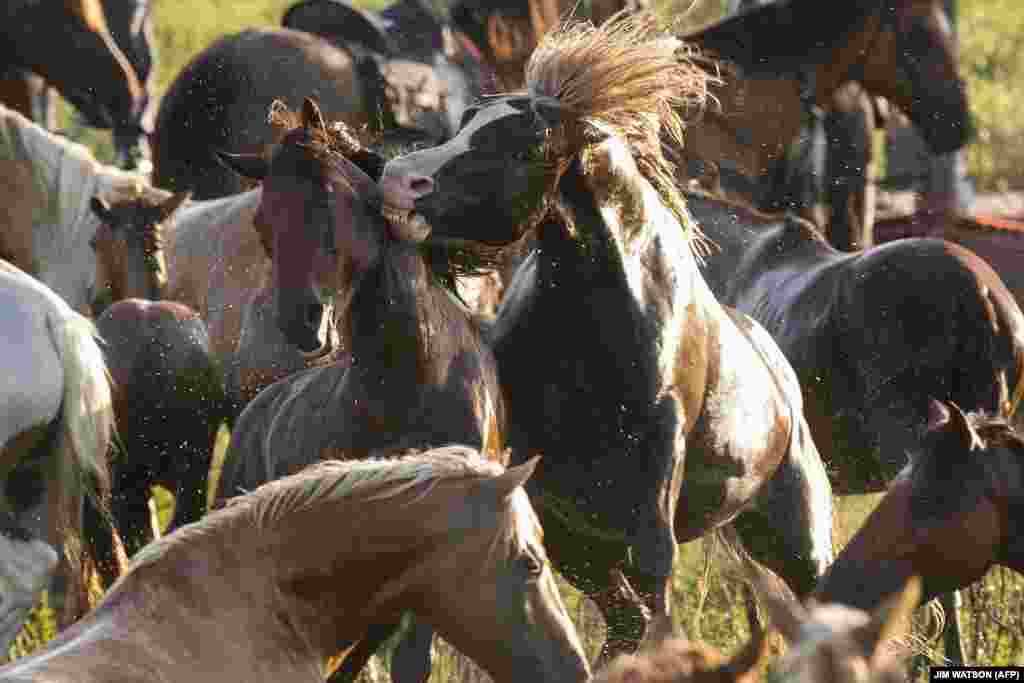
101, 209
508, 481
247, 165
954, 423
312, 117
938, 414
964, 431
750, 659
171, 204
889, 620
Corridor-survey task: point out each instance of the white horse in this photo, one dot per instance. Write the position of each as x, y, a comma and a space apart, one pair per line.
56, 421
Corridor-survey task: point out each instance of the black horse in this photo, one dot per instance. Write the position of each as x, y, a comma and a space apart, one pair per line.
409, 83
661, 416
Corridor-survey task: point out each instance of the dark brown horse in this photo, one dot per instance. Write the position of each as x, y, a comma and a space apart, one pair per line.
787, 57
414, 372
954, 512
353, 69
70, 45
168, 389
303, 565
661, 416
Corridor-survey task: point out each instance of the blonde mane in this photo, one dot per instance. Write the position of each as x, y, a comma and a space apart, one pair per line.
625, 77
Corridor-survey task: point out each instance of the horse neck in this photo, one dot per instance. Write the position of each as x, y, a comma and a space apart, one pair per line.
403, 325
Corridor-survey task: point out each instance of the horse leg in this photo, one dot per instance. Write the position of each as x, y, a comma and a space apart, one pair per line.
849, 127
952, 635
789, 527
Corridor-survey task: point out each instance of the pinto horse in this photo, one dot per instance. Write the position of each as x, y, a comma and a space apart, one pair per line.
788, 57
55, 428
662, 416
963, 489
307, 563
89, 69
414, 369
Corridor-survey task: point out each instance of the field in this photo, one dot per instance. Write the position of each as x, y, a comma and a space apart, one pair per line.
707, 601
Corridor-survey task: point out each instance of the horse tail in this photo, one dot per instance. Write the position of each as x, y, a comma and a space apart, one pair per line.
86, 429
1005, 348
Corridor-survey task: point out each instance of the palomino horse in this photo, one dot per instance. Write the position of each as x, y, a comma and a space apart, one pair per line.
963, 490
835, 643
302, 566
414, 371
872, 335
55, 428
618, 363
68, 43
46, 185
789, 57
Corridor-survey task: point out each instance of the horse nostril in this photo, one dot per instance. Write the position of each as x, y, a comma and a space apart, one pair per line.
313, 314
421, 185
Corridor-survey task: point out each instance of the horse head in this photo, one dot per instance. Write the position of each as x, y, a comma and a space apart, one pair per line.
498, 178
89, 69
964, 489
318, 218
128, 244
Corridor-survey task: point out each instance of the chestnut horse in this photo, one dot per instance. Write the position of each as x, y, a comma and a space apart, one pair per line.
413, 369
661, 415
955, 511
70, 45
55, 429
301, 567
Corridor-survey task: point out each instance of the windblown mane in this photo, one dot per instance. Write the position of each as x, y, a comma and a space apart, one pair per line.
627, 78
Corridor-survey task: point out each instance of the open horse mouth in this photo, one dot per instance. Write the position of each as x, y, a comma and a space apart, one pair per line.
327, 334
406, 224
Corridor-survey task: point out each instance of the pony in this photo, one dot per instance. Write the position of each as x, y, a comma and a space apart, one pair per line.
872, 335
840, 644
784, 59
169, 394
46, 186
56, 425
662, 416
415, 371
406, 88
443, 532
962, 489
91, 71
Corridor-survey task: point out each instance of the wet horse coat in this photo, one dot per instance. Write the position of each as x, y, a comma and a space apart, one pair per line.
661, 415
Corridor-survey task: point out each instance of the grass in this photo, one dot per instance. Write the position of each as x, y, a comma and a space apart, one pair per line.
707, 603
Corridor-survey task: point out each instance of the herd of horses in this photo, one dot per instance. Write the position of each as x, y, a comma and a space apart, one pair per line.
666, 358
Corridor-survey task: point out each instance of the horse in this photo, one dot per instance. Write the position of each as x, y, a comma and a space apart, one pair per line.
443, 532
46, 185
56, 425
962, 489
414, 372
872, 335
786, 58
90, 70
678, 660
617, 362
841, 644
355, 72
168, 389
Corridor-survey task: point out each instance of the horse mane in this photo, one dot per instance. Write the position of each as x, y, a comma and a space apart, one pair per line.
329, 481
625, 77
